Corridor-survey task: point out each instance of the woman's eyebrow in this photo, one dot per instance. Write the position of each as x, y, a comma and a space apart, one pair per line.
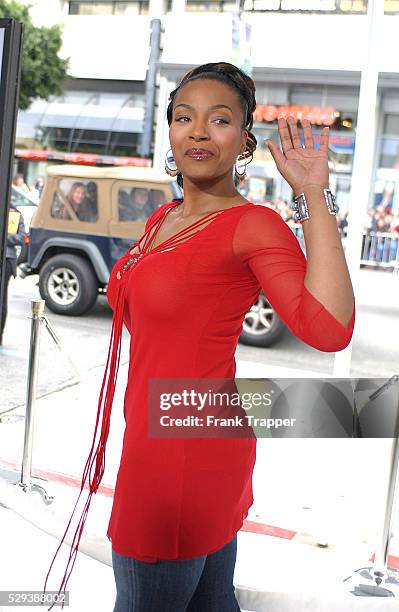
209, 107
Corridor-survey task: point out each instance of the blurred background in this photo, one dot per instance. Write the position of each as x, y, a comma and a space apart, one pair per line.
95, 84
121, 54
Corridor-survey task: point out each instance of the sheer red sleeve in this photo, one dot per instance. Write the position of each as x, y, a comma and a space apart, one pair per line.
112, 286
266, 244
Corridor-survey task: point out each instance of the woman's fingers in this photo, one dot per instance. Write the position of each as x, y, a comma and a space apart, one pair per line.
323, 146
285, 135
296, 139
307, 133
291, 140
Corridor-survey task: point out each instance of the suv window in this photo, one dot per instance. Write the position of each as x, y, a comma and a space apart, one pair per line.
138, 203
75, 200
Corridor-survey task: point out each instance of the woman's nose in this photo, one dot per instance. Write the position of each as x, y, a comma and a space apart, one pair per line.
199, 131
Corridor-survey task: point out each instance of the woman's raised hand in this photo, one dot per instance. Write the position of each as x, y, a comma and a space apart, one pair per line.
300, 166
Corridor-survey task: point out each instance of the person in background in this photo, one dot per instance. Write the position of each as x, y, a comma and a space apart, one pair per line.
15, 237
140, 204
19, 182
38, 187
91, 201
343, 224
384, 200
76, 198
393, 251
371, 220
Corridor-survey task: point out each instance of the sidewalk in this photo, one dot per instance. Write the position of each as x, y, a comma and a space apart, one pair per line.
26, 554
271, 574
279, 565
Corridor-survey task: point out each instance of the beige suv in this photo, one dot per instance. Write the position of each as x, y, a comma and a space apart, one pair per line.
86, 219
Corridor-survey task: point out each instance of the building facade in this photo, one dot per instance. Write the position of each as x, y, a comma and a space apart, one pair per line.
306, 58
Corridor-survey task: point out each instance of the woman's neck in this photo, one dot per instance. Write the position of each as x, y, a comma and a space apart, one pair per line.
202, 203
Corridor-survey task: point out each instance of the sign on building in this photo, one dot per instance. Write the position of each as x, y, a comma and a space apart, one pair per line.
241, 42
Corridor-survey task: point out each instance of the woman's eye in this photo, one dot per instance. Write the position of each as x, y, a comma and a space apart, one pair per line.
184, 117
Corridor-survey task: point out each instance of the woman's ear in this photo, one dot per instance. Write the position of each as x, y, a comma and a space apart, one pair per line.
245, 138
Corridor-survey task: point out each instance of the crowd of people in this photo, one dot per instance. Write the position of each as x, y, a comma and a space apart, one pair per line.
284, 209
380, 224
381, 220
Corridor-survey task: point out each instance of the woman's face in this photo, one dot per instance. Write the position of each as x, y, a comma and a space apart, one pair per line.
196, 125
78, 195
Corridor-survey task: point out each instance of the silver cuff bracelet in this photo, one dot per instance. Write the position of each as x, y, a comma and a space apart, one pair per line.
300, 205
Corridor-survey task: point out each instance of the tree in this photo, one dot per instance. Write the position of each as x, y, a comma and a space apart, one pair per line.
42, 71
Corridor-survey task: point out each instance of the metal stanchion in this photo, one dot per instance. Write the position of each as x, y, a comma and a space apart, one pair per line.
26, 482
377, 580
38, 318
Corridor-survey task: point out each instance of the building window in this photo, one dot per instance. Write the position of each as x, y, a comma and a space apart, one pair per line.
314, 6
389, 157
264, 5
90, 141
108, 7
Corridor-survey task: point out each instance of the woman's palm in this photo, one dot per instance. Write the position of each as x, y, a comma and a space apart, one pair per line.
300, 165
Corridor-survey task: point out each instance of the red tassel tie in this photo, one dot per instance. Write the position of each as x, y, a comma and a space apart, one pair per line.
98, 460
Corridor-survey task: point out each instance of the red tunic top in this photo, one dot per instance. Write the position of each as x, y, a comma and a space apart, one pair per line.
184, 308
182, 498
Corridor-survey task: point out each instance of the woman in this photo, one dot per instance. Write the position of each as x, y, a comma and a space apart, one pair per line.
80, 204
183, 291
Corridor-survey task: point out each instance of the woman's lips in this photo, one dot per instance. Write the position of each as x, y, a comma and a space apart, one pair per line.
198, 154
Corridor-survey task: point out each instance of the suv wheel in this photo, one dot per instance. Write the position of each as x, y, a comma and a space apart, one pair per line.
261, 325
68, 285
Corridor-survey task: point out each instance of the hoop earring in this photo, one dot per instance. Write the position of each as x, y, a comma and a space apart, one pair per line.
168, 170
242, 176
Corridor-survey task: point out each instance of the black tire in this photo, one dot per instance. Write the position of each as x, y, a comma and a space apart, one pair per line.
74, 290
262, 327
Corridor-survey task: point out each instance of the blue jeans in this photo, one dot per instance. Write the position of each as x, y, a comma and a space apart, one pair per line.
201, 584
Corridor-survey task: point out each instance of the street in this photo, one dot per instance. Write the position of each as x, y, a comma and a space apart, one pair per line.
85, 339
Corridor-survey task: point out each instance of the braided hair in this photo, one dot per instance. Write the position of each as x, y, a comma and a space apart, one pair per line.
240, 82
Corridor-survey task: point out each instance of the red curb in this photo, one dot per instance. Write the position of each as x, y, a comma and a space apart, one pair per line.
66, 479
271, 530
108, 491
393, 562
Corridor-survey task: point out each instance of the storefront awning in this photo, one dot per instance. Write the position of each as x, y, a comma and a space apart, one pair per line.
83, 111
